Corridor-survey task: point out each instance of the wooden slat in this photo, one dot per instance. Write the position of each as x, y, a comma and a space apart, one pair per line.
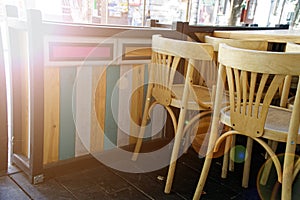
51, 115
36, 93
111, 127
125, 91
3, 114
238, 90
16, 107
136, 51
136, 108
18, 50
83, 88
67, 126
155, 120
24, 111
98, 109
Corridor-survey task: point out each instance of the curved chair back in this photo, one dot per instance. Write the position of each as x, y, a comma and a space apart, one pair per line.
245, 44
247, 112
291, 81
167, 55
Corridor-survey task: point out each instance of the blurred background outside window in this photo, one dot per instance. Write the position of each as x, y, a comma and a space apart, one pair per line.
139, 12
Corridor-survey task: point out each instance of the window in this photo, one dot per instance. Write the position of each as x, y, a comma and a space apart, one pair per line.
139, 12
113, 12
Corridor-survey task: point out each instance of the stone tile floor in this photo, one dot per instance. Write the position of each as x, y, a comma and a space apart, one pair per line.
101, 182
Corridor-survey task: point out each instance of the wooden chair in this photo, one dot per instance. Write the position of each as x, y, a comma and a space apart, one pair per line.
250, 113
245, 44
167, 54
286, 101
261, 45
292, 47
289, 101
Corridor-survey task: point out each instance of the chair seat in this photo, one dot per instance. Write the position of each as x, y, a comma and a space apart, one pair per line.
276, 126
201, 92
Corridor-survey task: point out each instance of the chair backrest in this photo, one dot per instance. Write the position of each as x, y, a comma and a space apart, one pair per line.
261, 45
290, 82
245, 44
249, 108
167, 55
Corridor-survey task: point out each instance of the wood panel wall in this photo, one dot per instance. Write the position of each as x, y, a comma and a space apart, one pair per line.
87, 104
3, 114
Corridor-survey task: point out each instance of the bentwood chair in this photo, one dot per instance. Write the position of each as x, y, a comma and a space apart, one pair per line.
261, 45
289, 101
250, 113
286, 101
292, 47
246, 44
163, 89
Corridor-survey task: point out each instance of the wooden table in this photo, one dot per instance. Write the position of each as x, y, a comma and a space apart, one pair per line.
279, 36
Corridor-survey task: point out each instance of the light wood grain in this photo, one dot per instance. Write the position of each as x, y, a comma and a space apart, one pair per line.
240, 43
134, 52
125, 92
3, 114
98, 109
51, 114
25, 111
82, 117
269, 35
137, 98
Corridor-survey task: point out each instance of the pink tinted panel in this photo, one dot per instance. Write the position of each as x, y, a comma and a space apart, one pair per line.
64, 51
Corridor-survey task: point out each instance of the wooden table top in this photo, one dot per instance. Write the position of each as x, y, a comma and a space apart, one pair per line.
269, 35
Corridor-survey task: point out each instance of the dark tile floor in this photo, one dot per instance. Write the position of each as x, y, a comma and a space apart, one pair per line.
101, 182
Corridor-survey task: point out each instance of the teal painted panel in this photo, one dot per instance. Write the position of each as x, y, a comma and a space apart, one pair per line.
67, 126
111, 126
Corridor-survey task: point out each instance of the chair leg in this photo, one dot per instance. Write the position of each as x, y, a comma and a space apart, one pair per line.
187, 139
288, 170
177, 141
267, 168
226, 157
191, 128
203, 176
176, 147
266, 172
248, 155
142, 131
270, 142
296, 168
213, 136
232, 150
287, 181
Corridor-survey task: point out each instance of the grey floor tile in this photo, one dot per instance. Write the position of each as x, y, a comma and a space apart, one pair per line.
10, 190
99, 183
148, 183
47, 190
